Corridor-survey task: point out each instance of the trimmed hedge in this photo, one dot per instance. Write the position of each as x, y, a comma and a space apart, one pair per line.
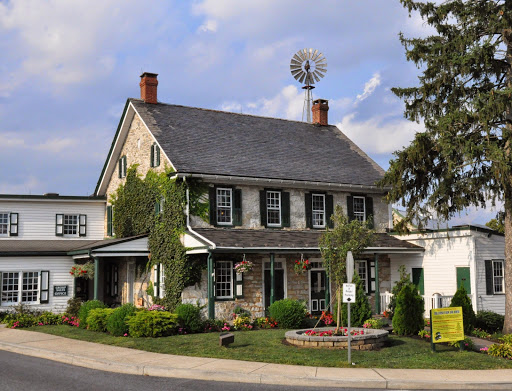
152, 324
84, 311
489, 321
97, 319
288, 313
116, 323
189, 317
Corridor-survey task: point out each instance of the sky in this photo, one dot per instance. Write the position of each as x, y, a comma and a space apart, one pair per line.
68, 67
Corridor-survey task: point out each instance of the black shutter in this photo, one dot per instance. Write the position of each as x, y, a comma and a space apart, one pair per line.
120, 170
329, 210
489, 277
157, 281
157, 155
263, 207
213, 206
152, 161
109, 220
44, 287
82, 225
368, 201
124, 166
237, 207
369, 266
59, 225
13, 224
285, 209
350, 207
157, 208
309, 210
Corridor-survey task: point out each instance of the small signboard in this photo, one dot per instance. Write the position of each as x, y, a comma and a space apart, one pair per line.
447, 324
349, 293
60, 290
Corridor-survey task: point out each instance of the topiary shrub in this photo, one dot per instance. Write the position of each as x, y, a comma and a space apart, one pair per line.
74, 305
461, 299
408, 318
84, 311
152, 324
116, 323
288, 313
360, 310
97, 319
189, 317
489, 321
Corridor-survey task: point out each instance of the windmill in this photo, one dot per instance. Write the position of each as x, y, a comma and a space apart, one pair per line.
308, 66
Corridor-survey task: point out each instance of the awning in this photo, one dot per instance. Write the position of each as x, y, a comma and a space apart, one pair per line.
131, 246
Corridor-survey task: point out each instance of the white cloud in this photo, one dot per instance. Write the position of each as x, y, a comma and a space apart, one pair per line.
379, 134
210, 26
29, 186
56, 145
369, 87
10, 141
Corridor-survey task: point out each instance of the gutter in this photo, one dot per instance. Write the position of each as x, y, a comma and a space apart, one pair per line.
189, 228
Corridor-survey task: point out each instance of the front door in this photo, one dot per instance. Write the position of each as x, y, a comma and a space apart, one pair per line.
278, 282
418, 279
463, 278
317, 286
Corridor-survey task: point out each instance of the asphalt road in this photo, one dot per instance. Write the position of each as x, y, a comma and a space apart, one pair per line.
19, 372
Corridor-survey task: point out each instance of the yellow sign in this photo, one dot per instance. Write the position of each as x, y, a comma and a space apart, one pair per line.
447, 324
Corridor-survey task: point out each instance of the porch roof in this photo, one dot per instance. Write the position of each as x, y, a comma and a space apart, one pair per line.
130, 246
269, 240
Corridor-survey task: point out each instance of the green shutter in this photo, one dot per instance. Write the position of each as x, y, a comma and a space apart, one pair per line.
213, 206
418, 279
285, 209
82, 225
263, 207
350, 207
109, 220
157, 208
370, 266
489, 277
152, 161
237, 207
329, 210
368, 205
308, 199
157, 155
239, 285
59, 225
44, 287
120, 168
124, 165
13, 224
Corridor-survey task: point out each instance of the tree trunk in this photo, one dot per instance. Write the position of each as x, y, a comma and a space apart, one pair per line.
507, 327
338, 314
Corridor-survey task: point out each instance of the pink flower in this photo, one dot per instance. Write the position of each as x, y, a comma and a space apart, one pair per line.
126, 334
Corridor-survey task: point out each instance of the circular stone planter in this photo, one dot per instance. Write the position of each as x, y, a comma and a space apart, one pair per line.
370, 340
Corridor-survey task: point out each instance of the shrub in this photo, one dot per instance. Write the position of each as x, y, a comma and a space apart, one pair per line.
20, 320
212, 325
408, 318
116, 323
84, 311
74, 305
489, 321
360, 310
461, 299
189, 317
479, 333
152, 324
288, 313
405, 279
374, 323
242, 322
503, 350
266, 323
506, 338
47, 318
467, 342
424, 334
97, 319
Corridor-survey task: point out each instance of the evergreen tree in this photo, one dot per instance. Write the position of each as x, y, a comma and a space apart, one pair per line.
497, 224
408, 318
360, 310
405, 278
464, 94
461, 299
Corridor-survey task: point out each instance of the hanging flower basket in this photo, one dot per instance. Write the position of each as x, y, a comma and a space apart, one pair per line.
85, 271
243, 267
301, 266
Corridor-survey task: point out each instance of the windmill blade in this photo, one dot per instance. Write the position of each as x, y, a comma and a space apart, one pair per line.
316, 77
301, 56
296, 73
314, 55
321, 63
296, 58
295, 70
319, 55
305, 52
321, 69
302, 77
319, 74
311, 79
295, 63
310, 56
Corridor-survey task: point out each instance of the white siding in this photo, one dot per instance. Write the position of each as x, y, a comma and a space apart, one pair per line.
488, 247
59, 267
131, 245
36, 218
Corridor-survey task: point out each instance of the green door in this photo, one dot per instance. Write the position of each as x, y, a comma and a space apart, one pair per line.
418, 279
463, 278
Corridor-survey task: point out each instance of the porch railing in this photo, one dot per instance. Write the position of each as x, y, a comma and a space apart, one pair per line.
385, 299
431, 302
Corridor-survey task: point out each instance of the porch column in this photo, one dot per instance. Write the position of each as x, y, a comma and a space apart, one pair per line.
211, 287
272, 280
96, 277
377, 287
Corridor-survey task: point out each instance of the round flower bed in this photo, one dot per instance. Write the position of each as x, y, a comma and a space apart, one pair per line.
361, 339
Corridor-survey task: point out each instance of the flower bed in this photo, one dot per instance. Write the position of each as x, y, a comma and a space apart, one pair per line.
324, 337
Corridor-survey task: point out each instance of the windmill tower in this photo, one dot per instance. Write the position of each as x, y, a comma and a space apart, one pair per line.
308, 66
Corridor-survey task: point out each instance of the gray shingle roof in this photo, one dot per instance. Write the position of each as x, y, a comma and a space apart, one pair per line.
215, 142
289, 239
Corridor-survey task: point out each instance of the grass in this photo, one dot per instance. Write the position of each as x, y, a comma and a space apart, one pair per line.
267, 346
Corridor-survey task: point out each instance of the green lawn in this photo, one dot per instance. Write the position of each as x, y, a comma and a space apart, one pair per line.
268, 346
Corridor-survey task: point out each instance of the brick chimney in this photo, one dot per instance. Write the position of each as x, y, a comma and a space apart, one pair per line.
148, 84
320, 109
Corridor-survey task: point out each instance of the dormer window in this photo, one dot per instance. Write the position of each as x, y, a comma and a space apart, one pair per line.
122, 167
155, 155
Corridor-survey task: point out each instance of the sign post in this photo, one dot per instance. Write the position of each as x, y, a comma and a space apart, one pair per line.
446, 325
349, 296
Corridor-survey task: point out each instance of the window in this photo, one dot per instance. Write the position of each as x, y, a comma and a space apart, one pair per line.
20, 287
155, 155
224, 204
110, 220
122, 167
498, 277
4, 224
318, 206
273, 208
359, 208
8, 224
224, 279
70, 225
366, 272
159, 279
362, 271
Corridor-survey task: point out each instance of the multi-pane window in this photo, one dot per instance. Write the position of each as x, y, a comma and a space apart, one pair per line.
498, 277
359, 208
273, 208
224, 279
20, 287
318, 201
362, 271
224, 205
4, 224
30, 287
10, 287
70, 226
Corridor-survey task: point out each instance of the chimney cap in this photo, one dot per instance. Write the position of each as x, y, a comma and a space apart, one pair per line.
321, 101
149, 74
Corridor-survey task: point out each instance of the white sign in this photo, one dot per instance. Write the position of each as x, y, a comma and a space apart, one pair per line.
349, 293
